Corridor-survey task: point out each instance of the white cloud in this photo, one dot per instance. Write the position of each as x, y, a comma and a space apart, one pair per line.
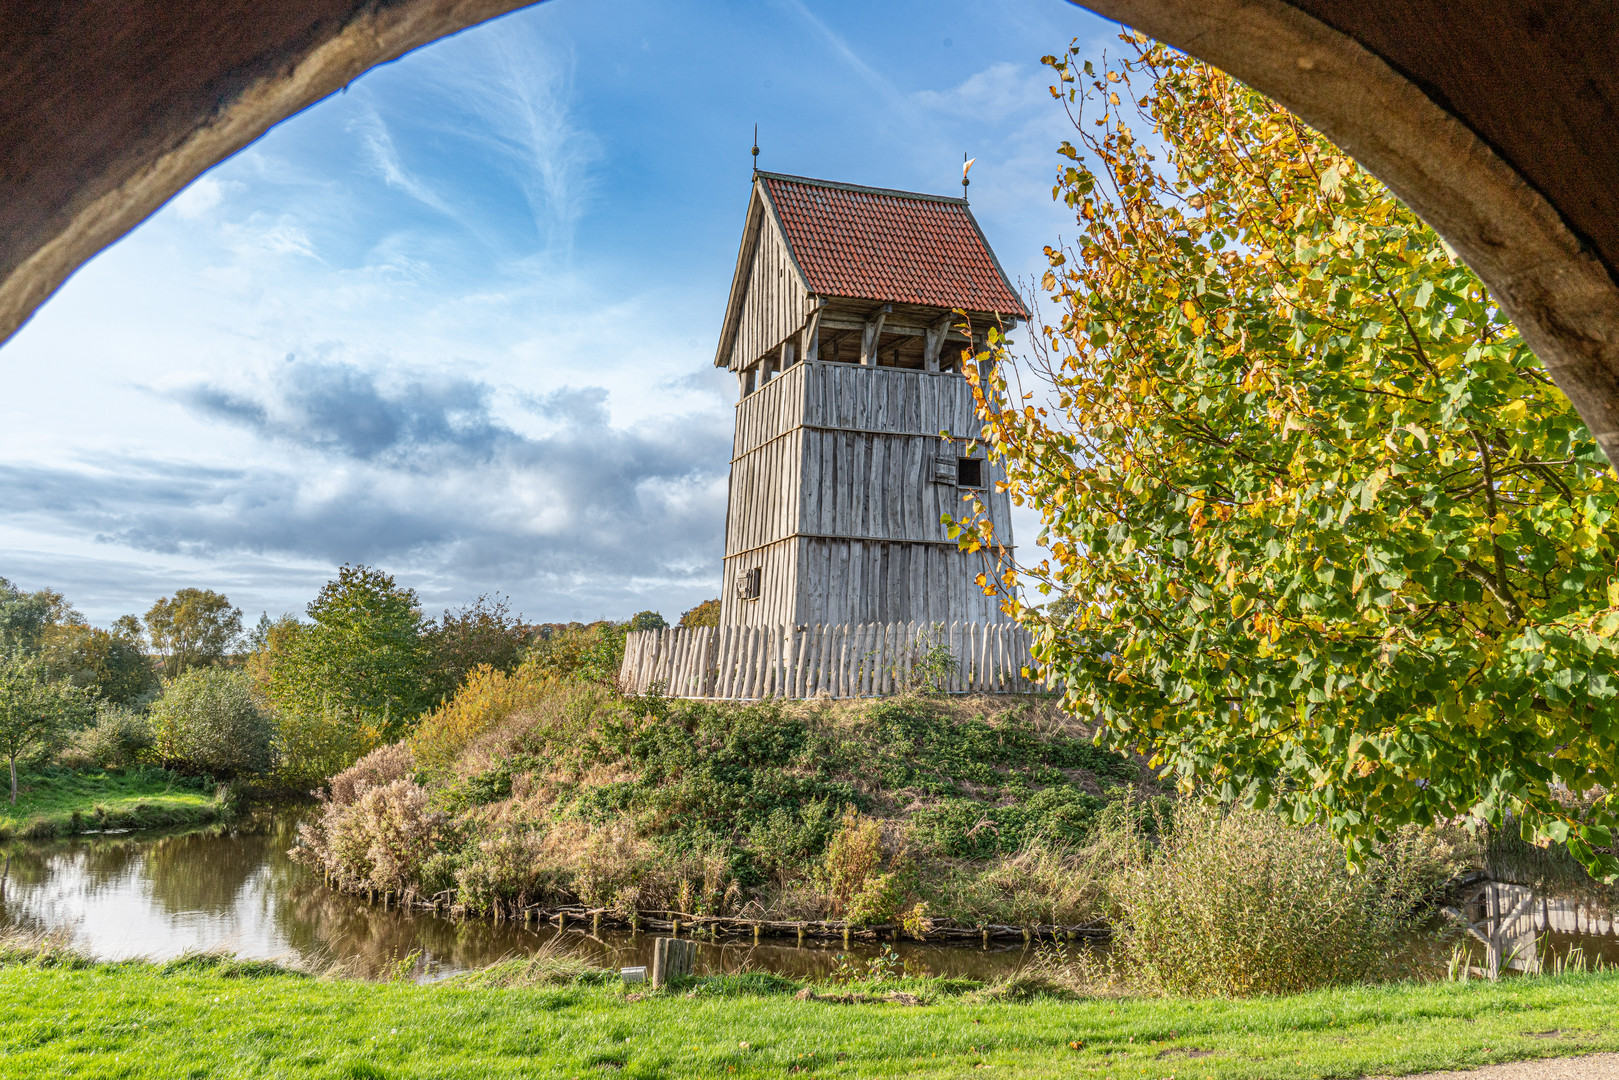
1000, 93
199, 199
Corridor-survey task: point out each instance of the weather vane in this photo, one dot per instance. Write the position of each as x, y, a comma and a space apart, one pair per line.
966, 163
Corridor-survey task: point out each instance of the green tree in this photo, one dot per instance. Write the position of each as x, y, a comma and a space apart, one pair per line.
209, 718
24, 616
106, 664
195, 628
705, 614
646, 620
592, 653
34, 710
483, 632
363, 654
1338, 541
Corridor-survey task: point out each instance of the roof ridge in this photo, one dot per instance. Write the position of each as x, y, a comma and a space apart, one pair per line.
863, 189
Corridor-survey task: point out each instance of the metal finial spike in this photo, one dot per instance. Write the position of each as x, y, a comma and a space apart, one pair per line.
755, 147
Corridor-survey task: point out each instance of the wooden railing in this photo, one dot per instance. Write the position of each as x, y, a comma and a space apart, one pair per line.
747, 663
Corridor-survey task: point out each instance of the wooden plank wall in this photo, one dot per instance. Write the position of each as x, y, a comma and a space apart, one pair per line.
865, 581
761, 517
773, 309
748, 663
833, 497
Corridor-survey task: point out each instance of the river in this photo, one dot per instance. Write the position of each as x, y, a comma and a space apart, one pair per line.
234, 888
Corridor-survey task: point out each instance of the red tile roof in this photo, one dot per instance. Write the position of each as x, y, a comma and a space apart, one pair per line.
891, 246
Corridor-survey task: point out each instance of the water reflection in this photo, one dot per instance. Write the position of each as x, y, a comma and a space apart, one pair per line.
1519, 928
233, 887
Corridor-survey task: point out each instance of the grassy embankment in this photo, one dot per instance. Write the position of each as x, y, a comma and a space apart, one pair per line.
59, 802
207, 1016
530, 791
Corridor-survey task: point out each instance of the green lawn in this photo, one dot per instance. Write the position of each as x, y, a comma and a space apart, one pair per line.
207, 1018
48, 801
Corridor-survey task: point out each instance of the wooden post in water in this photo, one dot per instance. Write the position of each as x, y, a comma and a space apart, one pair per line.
671, 959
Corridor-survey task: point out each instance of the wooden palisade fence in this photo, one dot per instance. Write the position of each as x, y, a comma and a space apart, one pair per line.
746, 663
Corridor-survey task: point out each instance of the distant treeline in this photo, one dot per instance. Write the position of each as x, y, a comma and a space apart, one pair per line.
290, 701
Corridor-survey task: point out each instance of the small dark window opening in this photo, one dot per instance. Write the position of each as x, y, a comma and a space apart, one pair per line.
970, 472
748, 587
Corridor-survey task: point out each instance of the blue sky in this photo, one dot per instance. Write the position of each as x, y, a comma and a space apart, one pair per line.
458, 321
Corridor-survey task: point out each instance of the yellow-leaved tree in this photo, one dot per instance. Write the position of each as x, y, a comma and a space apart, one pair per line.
1328, 534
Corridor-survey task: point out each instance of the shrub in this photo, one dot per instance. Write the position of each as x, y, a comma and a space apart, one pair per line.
1243, 902
485, 702
856, 885
381, 766
593, 653
1042, 883
380, 841
210, 719
118, 739
313, 744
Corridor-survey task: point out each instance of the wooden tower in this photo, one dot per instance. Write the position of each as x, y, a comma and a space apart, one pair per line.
841, 334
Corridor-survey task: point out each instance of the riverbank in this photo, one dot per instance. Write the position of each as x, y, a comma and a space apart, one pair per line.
212, 1016
61, 802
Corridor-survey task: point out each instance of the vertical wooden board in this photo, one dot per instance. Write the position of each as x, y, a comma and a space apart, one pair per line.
784, 639
874, 651
736, 670
992, 657
885, 659
766, 663
795, 661
666, 669
650, 663
761, 664
690, 676
1001, 665
908, 650
677, 660
625, 667
747, 668
858, 667
874, 686
812, 654
952, 636
711, 666
809, 638
850, 661
742, 662
806, 666
976, 657
832, 661
823, 657
725, 668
